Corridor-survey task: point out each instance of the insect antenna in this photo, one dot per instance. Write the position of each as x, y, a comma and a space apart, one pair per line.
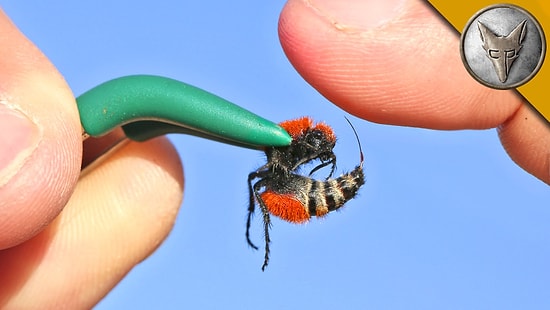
358, 141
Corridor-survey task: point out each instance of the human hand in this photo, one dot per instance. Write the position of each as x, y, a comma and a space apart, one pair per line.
66, 240
397, 62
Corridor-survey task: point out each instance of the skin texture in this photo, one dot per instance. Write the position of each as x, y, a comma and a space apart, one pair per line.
397, 62
66, 240
61, 232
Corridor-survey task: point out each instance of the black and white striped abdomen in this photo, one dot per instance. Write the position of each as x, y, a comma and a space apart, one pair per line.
326, 196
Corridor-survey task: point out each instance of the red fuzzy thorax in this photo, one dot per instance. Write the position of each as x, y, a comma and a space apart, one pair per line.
296, 128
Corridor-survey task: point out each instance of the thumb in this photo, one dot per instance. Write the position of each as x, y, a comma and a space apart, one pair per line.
40, 143
397, 62
393, 62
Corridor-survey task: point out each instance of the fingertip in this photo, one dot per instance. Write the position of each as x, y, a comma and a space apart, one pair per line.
40, 171
120, 212
526, 139
403, 70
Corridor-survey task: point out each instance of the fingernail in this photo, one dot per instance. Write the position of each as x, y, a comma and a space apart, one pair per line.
364, 14
19, 136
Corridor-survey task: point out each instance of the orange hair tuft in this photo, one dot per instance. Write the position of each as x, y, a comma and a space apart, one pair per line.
327, 130
297, 126
286, 207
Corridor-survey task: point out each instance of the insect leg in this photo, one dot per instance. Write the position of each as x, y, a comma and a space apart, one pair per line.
332, 162
251, 205
253, 191
267, 222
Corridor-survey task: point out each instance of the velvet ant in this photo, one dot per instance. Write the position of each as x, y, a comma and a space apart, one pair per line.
293, 197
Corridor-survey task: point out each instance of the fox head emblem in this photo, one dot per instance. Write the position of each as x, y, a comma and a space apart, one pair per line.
502, 50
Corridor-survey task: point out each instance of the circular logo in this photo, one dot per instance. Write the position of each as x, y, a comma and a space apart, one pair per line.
502, 46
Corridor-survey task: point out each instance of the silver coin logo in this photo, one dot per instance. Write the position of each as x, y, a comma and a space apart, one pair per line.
503, 46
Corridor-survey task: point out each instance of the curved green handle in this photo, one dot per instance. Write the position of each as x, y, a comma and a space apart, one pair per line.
146, 106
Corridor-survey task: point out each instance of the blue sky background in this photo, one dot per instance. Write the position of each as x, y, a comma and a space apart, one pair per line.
445, 221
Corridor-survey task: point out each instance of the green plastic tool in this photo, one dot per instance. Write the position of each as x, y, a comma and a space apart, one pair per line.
148, 106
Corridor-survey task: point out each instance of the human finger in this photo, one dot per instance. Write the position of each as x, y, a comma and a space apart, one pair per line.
40, 138
526, 138
392, 62
120, 212
397, 62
